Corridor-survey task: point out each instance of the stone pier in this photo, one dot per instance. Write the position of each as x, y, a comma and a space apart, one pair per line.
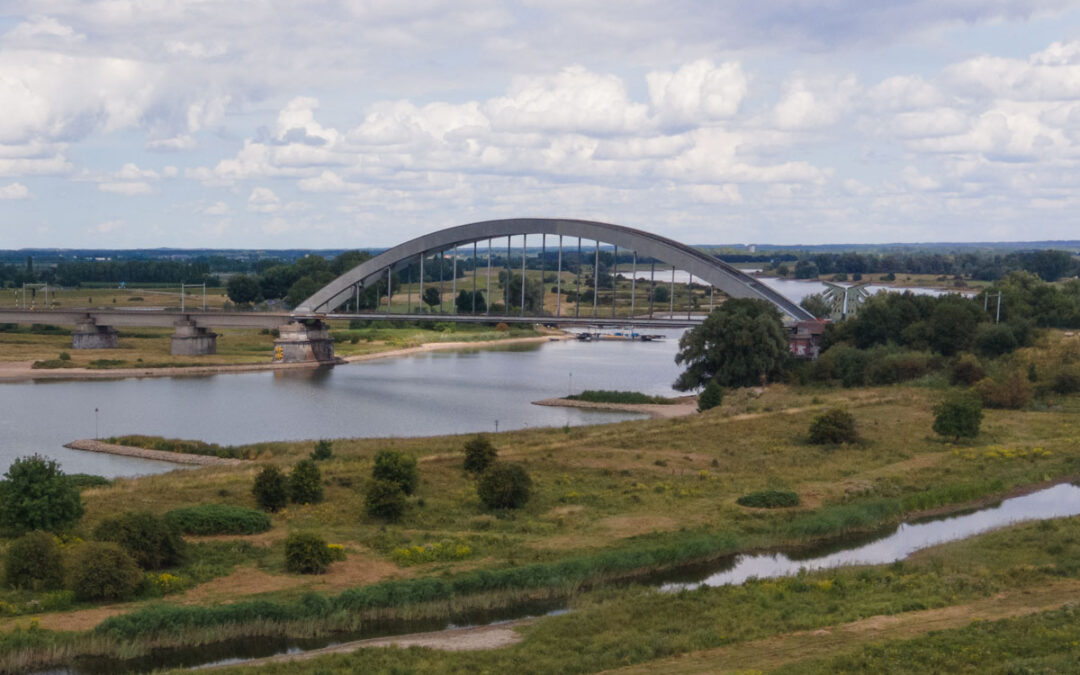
191, 340
89, 335
299, 343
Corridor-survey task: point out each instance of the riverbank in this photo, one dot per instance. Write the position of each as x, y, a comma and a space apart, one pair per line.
90, 445
683, 406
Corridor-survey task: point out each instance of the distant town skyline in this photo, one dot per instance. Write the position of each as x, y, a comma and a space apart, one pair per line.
362, 123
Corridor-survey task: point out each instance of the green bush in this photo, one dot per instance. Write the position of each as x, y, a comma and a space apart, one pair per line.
833, 427
34, 562
306, 553
711, 396
504, 486
103, 571
396, 467
1013, 393
769, 499
479, 454
87, 480
36, 495
207, 519
1066, 381
305, 483
995, 339
958, 415
323, 451
152, 542
384, 499
605, 396
271, 489
966, 370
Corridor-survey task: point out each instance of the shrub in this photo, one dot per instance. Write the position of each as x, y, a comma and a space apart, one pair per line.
34, 562
606, 396
103, 571
479, 454
995, 339
501, 327
1012, 393
218, 519
711, 396
958, 415
36, 495
1066, 381
324, 450
504, 486
893, 367
396, 467
966, 370
384, 499
152, 542
833, 427
769, 499
306, 553
305, 483
271, 489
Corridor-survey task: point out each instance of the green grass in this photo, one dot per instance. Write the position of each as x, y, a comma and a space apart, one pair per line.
207, 519
605, 396
769, 499
189, 447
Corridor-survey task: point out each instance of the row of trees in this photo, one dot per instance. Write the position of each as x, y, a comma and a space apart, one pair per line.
1049, 265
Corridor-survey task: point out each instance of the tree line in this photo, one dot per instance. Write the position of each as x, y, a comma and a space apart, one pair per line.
1049, 265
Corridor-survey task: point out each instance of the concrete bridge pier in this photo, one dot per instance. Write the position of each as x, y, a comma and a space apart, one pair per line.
191, 340
304, 342
89, 335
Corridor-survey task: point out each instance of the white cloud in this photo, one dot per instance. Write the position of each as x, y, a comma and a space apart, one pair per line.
128, 188
810, 104
697, 92
109, 226
14, 191
263, 200
216, 209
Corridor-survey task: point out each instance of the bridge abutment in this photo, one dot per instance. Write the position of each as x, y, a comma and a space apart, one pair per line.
191, 340
304, 343
89, 335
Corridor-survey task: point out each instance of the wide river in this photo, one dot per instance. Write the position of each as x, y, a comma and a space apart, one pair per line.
435, 393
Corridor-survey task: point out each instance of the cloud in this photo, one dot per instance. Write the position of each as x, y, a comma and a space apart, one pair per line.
263, 200
810, 104
697, 92
109, 226
14, 191
216, 209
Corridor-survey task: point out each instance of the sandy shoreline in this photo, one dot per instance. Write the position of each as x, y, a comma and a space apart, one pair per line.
687, 405
16, 371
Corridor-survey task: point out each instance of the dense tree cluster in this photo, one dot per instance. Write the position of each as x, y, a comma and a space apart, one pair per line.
1049, 265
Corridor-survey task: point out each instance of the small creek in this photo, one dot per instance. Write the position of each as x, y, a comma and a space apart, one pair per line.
1059, 501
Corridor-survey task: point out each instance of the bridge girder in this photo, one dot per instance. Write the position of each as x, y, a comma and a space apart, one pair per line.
725, 277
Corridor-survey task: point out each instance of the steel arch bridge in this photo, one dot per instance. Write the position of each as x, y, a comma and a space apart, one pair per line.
553, 232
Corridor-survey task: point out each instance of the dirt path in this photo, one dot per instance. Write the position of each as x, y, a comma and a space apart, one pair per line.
769, 653
452, 640
687, 405
440, 346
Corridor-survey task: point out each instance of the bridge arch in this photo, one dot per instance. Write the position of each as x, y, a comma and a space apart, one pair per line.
727, 278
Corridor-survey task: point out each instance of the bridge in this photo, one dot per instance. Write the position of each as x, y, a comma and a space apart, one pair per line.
570, 251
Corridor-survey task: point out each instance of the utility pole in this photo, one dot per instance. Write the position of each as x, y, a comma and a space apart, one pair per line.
997, 319
182, 296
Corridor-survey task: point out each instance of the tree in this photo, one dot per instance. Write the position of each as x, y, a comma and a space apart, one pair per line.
958, 415
660, 294
833, 427
534, 293
504, 486
271, 489
306, 553
479, 454
305, 483
103, 571
384, 499
432, 298
711, 396
742, 343
34, 562
464, 302
36, 495
324, 450
396, 467
815, 304
952, 325
152, 542
243, 289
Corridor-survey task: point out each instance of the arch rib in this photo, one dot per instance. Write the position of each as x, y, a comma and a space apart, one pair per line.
686, 258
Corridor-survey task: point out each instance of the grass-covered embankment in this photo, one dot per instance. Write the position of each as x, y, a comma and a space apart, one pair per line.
627, 397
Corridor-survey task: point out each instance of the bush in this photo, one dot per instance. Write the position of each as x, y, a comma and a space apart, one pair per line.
711, 396
324, 450
995, 339
479, 454
34, 562
504, 486
606, 396
271, 489
152, 542
305, 483
966, 370
769, 499
396, 467
103, 571
36, 495
1013, 393
833, 427
384, 499
958, 415
895, 367
1066, 381
306, 553
207, 519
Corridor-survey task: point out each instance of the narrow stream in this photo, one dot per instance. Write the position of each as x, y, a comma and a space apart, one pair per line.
1054, 502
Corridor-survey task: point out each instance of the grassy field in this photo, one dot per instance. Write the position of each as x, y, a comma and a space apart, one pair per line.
157, 296
609, 501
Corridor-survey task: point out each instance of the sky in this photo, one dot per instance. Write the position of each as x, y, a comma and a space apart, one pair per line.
363, 123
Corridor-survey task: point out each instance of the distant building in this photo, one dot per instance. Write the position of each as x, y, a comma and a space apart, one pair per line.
805, 342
